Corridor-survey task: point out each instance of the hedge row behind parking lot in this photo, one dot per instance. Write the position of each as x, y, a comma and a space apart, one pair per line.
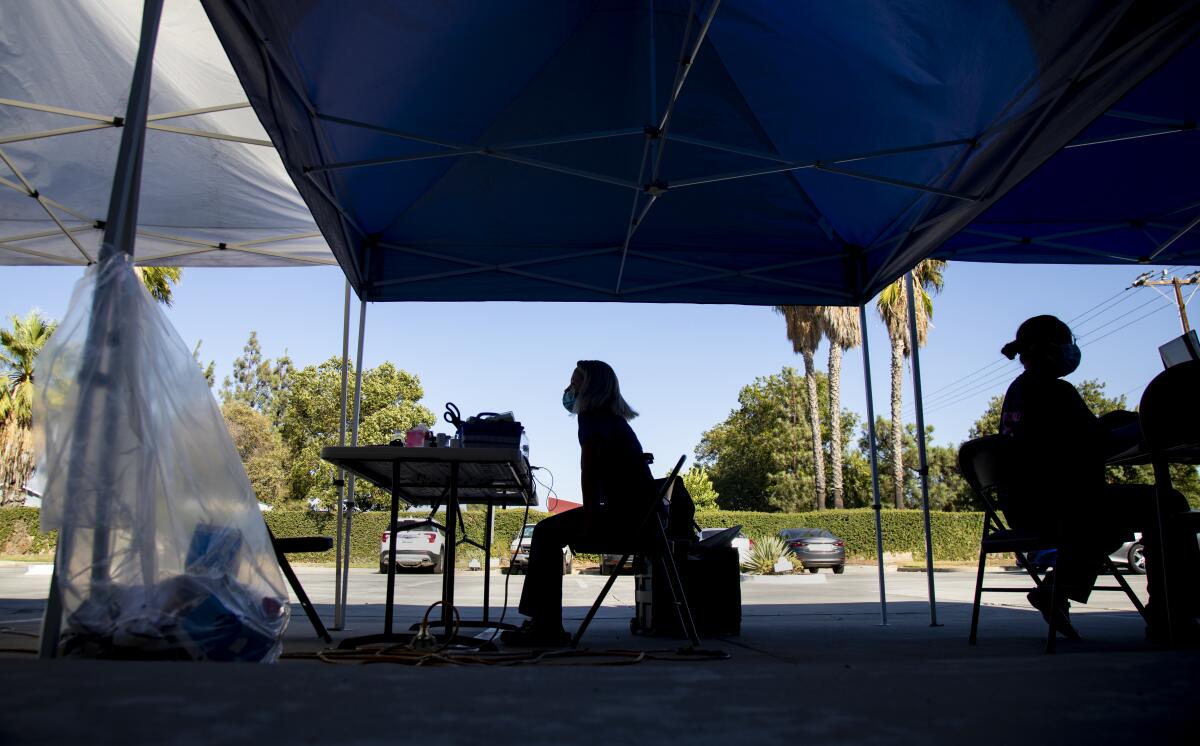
955, 535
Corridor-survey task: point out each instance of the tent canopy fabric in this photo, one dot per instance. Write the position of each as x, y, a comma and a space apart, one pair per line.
745, 152
1124, 191
214, 192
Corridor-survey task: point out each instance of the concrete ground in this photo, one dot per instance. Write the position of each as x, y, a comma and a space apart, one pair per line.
813, 663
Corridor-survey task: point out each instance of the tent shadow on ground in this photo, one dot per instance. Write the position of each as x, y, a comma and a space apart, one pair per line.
797, 669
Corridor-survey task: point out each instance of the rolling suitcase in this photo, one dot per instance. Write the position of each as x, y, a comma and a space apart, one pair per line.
712, 582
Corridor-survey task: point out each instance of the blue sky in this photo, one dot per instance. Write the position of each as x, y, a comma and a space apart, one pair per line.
680, 366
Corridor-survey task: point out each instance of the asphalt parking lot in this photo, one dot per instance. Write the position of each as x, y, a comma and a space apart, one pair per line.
813, 661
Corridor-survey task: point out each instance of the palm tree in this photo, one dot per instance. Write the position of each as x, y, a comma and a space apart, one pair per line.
804, 331
893, 309
19, 347
158, 280
840, 325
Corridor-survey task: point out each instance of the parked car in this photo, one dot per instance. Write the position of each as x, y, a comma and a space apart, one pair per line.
744, 544
519, 553
816, 548
741, 542
418, 544
1131, 555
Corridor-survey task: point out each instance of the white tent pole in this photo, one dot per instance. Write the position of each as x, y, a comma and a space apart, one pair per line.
923, 461
338, 620
866, 348
358, 373
119, 233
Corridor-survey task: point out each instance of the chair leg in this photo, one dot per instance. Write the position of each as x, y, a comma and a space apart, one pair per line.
978, 595
1111, 569
1056, 597
682, 610
302, 597
599, 600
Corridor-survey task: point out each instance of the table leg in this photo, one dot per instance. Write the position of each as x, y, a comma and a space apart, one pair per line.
1162, 591
487, 558
391, 578
451, 550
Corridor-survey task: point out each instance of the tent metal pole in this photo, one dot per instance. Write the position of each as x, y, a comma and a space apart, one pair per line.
340, 481
119, 233
358, 373
875, 505
923, 461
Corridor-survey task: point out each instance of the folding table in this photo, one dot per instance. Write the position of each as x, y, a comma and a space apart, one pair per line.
434, 476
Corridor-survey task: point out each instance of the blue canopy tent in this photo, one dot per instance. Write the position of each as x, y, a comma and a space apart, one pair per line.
701, 152
663, 151
666, 151
1123, 191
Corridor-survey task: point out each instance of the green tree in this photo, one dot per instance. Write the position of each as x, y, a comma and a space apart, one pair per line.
756, 458
699, 485
947, 489
159, 281
19, 348
259, 382
261, 450
893, 309
840, 324
390, 404
210, 370
1185, 478
803, 327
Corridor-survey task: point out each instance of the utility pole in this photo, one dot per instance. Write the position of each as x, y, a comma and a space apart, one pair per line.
1192, 279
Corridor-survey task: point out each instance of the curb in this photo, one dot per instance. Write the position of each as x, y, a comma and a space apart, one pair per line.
806, 579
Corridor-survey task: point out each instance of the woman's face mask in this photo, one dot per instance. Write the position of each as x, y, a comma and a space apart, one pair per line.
568, 399
1060, 359
1067, 359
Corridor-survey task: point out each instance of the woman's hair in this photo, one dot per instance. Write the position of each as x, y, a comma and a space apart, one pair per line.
1039, 330
600, 391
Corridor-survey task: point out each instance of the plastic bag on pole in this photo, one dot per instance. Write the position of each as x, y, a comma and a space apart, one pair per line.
162, 549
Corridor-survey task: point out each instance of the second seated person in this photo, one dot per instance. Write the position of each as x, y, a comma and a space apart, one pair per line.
1058, 485
617, 487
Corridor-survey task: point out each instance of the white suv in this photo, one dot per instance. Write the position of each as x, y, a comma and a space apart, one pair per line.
518, 553
418, 544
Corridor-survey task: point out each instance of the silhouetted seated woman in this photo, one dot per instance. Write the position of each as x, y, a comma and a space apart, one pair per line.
617, 491
1058, 487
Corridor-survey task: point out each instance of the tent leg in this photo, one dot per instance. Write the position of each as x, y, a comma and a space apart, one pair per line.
866, 347
52, 620
338, 616
120, 229
924, 463
358, 372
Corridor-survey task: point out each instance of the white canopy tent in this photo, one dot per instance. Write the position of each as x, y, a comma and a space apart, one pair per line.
213, 189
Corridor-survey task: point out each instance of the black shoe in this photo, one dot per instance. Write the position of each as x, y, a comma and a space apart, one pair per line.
534, 635
1040, 600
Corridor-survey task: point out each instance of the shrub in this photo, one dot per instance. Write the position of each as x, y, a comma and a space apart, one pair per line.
955, 535
20, 532
765, 551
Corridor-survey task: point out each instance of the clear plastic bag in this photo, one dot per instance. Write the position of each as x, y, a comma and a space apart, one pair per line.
163, 551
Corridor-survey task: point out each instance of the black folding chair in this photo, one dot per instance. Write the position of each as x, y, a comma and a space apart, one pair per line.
301, 545
650, 542
984, 462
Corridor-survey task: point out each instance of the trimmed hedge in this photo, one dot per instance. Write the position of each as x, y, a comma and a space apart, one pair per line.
20, 532
955, 535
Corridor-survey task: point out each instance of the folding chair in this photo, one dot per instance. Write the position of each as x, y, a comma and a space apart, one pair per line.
1168, 412
301, 545
649, 541
984, 462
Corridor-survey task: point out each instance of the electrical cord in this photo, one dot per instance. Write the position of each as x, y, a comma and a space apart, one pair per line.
508, 575
404, 655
